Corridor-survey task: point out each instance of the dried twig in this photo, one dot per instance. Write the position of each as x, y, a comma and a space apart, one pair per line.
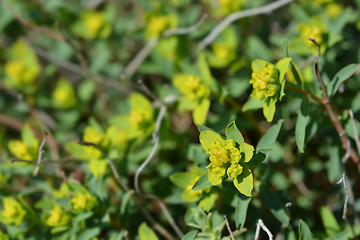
355, 130
40, 152
156, 139
28, 24
346, 196
135, 63
317, 45
238, 15
334, 119
262, 225
228, 228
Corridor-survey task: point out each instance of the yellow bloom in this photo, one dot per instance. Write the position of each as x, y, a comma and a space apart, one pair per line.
58, 217
22, 67
191, 86
333, 10
20, 150
92, 24
266, 82
12, 212
82, 202
64, 95
155, 24
92, 135
234, 170
138, 118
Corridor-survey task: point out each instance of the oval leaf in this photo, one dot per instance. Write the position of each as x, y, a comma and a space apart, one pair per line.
202, 182
304, 231
145, 233
270, 136
301, 123
242, 203
341, 76
232, 132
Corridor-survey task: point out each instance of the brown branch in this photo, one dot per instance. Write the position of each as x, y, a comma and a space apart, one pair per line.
334, 119
43, 30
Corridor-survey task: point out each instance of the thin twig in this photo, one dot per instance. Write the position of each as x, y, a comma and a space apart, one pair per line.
146, 90
346, 196
110, 162
304, 92
156, 139
262, 225
356, 136
238, 15
28, 24
317, 45
40, 152
228, 228
287, 206
334, 119
135, 63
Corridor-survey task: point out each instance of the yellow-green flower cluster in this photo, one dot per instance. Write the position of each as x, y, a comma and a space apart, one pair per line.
22, 67
229, 158
191, 87
92, 24
12, 213
58, 217
225, 157
63, 94
27, 148
156, 24
83, 202
266, 82
314, 29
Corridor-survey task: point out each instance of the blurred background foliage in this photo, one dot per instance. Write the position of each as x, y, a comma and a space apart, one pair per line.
102, 71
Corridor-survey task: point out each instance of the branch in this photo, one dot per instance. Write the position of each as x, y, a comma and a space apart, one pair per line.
228, 228
342, 134
135, 63
262, 225
40, 152
355, 130
156, 139
238, 15
43, 30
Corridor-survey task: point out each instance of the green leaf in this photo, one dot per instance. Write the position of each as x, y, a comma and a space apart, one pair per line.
257, 65
253, 104
304, 231
301, 123
244, 182
200, 111
207, 139
202, 182
242, 203
272, 201
190, 235
196, 217
125, 200
283, 67
296, 72
260, 156
181, 179
232, 132
28, 136
269, 108
89, 233
86, 90
270, 136
203, 128
329, 221
145, 233
82, 216
204, 69
207, 202
340, 77
286, 48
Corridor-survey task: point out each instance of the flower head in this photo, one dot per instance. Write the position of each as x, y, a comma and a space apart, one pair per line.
83, 202
265, 82
58, 217
12, 212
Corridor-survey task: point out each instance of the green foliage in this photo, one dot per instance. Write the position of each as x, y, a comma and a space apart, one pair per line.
139, 119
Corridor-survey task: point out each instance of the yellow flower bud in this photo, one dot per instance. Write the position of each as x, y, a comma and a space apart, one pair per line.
20, 150
92, 135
